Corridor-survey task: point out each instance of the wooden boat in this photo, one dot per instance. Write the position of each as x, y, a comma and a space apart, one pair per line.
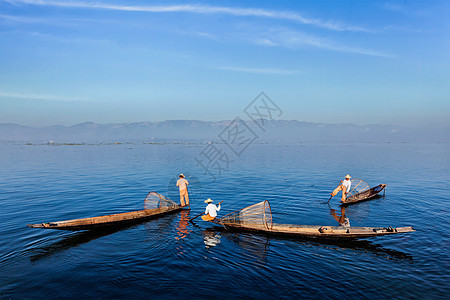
155, 205
364, 195
258, 218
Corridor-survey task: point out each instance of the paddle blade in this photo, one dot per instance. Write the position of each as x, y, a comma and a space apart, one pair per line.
328, 200
358, 189
259, 214
154, 200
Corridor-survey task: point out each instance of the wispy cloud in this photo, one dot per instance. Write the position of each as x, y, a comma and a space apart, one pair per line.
206, 9
46, 97
287, 38
206, 35
55, 38
402, 9
267, 71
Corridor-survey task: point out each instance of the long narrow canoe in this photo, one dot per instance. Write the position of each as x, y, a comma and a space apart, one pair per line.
364, 196
258, 218
317, 231
109, 220
155, 206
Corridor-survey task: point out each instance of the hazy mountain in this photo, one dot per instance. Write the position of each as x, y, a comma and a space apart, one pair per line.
284, 130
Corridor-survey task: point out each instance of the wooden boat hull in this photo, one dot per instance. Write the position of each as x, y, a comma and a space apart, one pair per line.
107, 221
318, 232
258, 218
364, 196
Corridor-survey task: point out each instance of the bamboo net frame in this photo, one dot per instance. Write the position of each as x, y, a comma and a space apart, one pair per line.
154, 200
259, 214
358, 190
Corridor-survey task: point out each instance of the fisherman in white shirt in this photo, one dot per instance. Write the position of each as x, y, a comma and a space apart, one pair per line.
211, 210
344, 186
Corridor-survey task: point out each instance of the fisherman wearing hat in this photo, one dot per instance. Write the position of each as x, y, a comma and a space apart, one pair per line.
211, 210
182, 184
344, 186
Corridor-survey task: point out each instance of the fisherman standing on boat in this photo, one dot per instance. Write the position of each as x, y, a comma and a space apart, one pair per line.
344, 186
211, 210
182, 184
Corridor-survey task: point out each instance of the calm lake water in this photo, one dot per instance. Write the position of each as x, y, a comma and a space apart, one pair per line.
171, 258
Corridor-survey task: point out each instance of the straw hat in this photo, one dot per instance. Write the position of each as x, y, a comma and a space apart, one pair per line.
348, 176
181, 175
208, 200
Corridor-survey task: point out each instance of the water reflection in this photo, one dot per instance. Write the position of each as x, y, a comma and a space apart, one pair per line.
182, 231
84, 237
211, 238
183, 224
341, 217
366, 246
256, 245
70, 241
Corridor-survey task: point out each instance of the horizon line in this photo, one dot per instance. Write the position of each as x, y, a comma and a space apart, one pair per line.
203, 121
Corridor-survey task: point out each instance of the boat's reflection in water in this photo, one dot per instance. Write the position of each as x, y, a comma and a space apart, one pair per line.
83, 237
72, 240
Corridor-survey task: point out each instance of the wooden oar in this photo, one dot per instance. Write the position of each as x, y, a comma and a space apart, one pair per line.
191, 219
328, 200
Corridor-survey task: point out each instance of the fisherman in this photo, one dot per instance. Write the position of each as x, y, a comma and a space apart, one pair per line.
182, 184
211, 210
344, 186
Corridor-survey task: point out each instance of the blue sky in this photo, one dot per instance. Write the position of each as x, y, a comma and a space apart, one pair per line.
364, 62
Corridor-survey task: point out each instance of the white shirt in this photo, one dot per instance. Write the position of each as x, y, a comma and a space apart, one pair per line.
182, 183
212, 210
347, 184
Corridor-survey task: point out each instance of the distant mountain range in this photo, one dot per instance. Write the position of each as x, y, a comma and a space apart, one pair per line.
282, 130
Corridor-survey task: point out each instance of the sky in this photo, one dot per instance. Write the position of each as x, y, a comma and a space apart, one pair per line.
361, 62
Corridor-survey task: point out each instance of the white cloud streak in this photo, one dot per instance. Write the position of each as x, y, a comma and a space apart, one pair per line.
405, 10
206, 9
282, 38
291, 39
266, 71
45, 97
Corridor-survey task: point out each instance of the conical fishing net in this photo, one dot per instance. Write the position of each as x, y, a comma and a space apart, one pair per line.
157, 201
358, 190
258, 214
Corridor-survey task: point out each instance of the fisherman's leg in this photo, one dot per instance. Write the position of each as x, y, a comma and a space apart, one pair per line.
182, 198
344, 193
187, 198
336, 190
